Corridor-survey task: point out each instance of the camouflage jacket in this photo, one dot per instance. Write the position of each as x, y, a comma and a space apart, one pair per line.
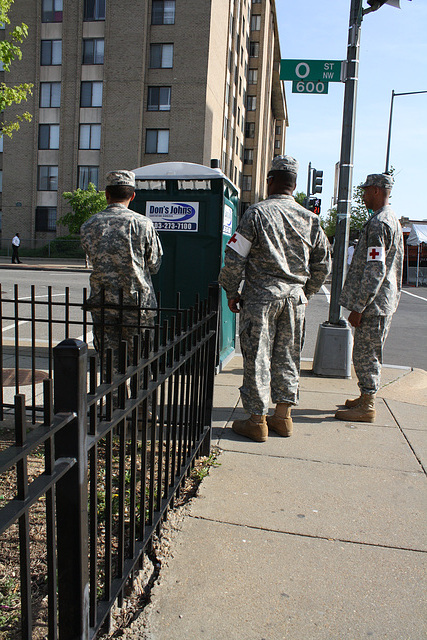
124, 249
280, 249
374, 277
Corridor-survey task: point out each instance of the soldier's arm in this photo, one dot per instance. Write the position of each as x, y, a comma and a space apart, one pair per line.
236, 255
153, 249
379, 240
319, 265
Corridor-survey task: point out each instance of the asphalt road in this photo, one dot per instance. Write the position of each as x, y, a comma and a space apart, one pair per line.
406, 344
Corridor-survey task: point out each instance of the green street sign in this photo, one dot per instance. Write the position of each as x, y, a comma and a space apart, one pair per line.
302, 86
326, 70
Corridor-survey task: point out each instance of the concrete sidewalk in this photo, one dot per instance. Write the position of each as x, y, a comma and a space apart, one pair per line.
317, 536
44, 264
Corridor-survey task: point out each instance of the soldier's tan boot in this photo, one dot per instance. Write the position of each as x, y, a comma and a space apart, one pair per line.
281, 422
353, 403
363, 412
255, 428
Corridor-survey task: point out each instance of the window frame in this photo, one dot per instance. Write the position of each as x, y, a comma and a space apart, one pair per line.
94, 53
50, 85
49, 178
159, 7
83, 184
49, 53
51, 128
84, 94
156, 131
161, 46
56, 10
157, 102
92, 126
94, 13
45, 224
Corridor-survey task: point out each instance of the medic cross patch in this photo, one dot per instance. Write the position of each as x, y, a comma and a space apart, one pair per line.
376, 253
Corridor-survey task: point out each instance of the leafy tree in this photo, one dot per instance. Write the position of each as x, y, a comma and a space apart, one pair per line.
84, 203
300, 197
9, 51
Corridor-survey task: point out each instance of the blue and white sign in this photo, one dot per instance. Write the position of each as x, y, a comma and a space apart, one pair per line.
173, 216
227, 222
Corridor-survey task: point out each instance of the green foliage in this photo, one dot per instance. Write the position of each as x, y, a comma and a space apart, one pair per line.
9, 51
84, 203
300, 197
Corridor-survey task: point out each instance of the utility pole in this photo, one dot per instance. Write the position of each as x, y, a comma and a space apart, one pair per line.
334, 341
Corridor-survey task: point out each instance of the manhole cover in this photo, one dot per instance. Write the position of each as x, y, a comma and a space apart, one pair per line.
25, 377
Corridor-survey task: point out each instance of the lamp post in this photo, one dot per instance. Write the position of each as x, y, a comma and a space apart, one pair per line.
393, 94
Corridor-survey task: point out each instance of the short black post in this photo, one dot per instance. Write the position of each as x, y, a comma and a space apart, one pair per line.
70, 389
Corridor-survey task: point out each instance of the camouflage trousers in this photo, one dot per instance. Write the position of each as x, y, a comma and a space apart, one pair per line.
271, 337
369, 339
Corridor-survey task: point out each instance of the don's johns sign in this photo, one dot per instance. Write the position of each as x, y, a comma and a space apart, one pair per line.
173, 216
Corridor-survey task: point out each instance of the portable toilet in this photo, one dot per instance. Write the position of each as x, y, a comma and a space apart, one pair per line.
194, 209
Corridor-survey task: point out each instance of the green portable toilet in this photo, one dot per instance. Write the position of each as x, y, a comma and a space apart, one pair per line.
194, 209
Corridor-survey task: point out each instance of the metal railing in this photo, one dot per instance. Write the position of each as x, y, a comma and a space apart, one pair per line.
113, 453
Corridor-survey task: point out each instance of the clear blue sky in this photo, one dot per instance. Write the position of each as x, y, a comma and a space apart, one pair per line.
393, 55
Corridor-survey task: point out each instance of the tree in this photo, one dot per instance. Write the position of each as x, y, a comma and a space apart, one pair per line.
300, 196
9, 51
84, 203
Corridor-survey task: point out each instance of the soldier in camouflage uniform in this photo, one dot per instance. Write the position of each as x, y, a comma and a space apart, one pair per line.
124, 249
282, 253
372, 292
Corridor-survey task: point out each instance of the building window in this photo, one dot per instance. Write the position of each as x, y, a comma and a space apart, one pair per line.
250, 130
253, 76
90, 136
51, 52
51, 10
247, 183
278, 130
253, 49
94, 10
86, 175
91, 94
248, 157
157, 141
50, 94
1, 144
161, 56
159, 99
255, 23
256, 1
251, 103
47, 178
93, 51
46, 219
163, 12
225, 131
49, 136
277, 144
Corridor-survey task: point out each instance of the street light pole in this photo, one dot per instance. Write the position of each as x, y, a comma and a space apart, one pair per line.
393, 94
334, 341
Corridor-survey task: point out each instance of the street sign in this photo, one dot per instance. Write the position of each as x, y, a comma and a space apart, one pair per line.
313, 70
302, 86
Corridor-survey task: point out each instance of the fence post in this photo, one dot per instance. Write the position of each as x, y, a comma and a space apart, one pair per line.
213, 307
70, 394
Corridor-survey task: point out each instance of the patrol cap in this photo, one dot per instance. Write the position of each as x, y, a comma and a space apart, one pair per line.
285, 163
383, 180
116, 178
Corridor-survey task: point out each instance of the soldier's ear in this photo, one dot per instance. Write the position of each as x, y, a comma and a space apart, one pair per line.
133, 195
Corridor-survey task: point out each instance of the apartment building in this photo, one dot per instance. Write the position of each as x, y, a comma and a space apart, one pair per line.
127, 84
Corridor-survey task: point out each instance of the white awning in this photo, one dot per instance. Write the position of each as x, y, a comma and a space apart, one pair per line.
418, 234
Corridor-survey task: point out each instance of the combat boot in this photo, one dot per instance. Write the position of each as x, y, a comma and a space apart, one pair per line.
363, 412
255, 428
353, 403
281, 422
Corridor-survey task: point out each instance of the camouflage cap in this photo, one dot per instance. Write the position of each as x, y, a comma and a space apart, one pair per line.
284, 163
383, 180
115, 178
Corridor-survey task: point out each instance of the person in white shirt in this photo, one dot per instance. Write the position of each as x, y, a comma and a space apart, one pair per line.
16, 241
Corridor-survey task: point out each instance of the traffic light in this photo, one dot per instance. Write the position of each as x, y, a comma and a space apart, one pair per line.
314, 205
317, 180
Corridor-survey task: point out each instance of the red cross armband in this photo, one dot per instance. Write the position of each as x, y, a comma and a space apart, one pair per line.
239, 244
376, 254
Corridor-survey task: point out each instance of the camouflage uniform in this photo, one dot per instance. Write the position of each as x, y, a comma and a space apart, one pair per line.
124, 249
372, 287
282, 252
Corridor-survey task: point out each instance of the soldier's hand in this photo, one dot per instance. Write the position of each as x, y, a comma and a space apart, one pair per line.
355, 318
232, 304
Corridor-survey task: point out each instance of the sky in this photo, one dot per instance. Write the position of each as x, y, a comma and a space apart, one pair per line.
393, 55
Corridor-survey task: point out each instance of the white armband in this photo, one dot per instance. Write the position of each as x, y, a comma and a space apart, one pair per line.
239, 244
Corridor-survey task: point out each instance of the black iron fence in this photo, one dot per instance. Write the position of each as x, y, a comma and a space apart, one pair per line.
85, 490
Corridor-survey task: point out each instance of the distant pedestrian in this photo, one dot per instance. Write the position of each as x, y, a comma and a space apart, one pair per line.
16, 241
283, 254
124, 250
372, 292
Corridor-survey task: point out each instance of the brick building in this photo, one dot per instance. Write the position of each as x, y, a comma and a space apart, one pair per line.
127, 84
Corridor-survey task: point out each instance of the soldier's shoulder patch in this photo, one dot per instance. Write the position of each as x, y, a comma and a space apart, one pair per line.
376, 253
